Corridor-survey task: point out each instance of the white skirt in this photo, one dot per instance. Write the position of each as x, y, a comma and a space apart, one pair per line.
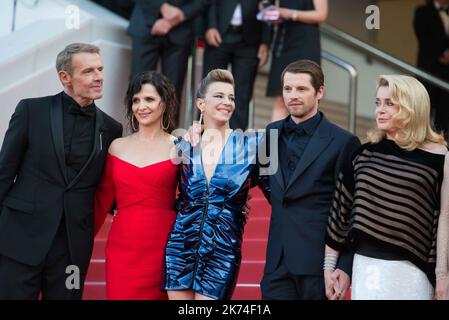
377, 279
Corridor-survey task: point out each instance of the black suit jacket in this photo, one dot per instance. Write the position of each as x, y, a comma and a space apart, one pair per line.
432, 40
34, 191
146, 12
220, 13
300, 209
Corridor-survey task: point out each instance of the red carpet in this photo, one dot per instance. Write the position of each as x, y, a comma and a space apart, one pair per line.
253, 260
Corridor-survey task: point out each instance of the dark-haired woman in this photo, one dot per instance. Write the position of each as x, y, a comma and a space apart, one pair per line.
141, 178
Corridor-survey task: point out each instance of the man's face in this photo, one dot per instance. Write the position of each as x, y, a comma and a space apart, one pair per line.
300, 97
85, 82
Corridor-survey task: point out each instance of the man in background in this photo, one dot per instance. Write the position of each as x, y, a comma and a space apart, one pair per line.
431, 25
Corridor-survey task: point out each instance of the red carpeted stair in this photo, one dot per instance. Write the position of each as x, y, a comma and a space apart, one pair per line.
253, 260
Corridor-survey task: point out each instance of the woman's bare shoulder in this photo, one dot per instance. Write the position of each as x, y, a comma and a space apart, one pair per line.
434, 147
117, 146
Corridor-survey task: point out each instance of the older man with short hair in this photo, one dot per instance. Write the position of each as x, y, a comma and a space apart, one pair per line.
51, 161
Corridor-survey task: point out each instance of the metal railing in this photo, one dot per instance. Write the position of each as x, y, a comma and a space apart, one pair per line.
352, 86
190, 88
14, 11
382, 56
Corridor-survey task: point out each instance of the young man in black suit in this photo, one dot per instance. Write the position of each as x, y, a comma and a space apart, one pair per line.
234, 36
164, 29
311, 151
51, 161
431, 25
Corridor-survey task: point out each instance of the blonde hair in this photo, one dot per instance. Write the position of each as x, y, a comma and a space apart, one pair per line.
413, 117
216, 75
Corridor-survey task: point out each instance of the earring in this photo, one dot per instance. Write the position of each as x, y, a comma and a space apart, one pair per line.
164, 127
201, 117
133, 126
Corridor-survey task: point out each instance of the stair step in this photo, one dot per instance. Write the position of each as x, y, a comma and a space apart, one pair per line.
251, 272
247, 292
96, 270
94, 291
259, 208
254, 249
257, 228
99, 249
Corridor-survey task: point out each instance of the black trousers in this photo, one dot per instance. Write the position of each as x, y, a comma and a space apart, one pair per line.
19, 281
146, 53
244, 61
283, 285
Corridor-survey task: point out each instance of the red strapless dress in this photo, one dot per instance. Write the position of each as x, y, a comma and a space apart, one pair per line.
135, 247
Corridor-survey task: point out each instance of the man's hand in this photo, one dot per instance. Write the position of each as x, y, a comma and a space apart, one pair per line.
329, 284
172, 14
442, 288
161, 27
213, 37
341, 283
263, 54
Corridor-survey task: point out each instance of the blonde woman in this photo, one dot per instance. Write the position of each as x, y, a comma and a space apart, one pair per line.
203, 252
390, 201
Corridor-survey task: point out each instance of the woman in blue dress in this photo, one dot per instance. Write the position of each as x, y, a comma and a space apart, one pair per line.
203, 252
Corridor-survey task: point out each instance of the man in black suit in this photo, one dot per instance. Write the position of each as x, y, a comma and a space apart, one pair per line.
51, 161
234, 36
164, 29
431, 25
311, 151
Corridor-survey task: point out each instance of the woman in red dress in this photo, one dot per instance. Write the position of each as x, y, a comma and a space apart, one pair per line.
141, 178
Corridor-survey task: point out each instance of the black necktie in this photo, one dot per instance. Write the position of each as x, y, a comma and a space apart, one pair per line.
290, 127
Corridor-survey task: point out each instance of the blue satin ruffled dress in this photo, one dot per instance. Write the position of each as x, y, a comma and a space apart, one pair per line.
203, 252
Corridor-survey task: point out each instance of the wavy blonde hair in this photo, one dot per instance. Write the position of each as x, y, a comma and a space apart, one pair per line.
413, 117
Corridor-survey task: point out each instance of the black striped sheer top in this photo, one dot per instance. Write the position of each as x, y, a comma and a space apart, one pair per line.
386, 205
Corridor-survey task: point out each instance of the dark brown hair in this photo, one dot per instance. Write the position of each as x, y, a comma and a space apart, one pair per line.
165, 90
306, 66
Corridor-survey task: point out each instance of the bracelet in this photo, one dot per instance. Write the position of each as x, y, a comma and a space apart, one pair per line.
294, 15
330, 261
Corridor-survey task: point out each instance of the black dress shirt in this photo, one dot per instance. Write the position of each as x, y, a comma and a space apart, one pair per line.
293, 141
79, 127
